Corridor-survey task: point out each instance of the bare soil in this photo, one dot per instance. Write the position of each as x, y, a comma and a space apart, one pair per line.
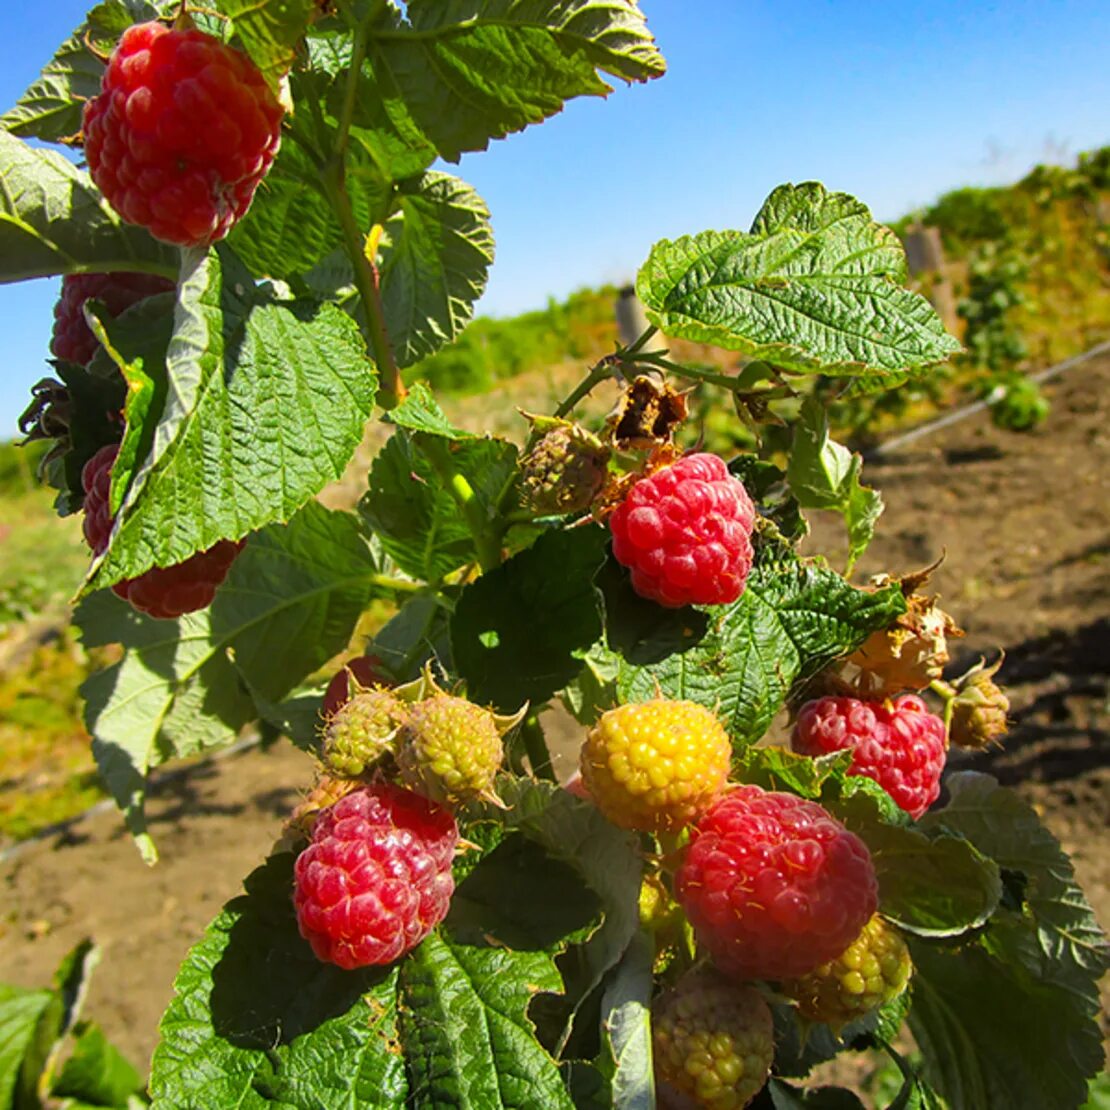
1025, 525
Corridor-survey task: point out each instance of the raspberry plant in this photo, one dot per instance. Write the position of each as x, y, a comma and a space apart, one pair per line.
372, 959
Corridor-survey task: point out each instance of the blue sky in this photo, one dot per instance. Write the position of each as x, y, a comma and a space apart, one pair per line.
895, 103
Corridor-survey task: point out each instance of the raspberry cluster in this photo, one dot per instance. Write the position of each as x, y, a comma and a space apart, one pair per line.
73, 339
655, 766
773, 885
163, 592
899, 744
183, 131
685, 533
376, 878
712, 1041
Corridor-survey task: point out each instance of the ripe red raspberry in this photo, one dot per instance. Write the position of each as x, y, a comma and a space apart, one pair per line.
685, 532
73, 339
376, 878
773, 885
181, 134
163, 592
713, 1041
899, 744
655, 766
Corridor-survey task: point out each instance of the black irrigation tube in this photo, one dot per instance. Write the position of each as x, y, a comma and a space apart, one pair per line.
887, 448
950, 418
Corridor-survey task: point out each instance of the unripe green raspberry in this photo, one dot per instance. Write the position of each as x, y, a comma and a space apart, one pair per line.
873, 970
563, 470
979, 710
657, 765
450, 750
359, 733
713, 1041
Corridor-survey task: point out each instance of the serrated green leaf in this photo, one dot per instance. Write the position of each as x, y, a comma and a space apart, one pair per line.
793, 618
266, 403
991, 1035
51, 108
825, 475
435, 254
1051, 949
420, 631
520, 632
626, 1027
20, 1014
467, 1038
937, 886
606, 857
269, 31
96, 1072
420, 412
53, 220
454, 75
291, 226
814, 287
179, 688
414, 514
258, 1022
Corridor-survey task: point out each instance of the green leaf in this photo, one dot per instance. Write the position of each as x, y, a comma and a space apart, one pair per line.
1050, 949
786, 1097
257, 1021
937, 886
51, 108
457, 74
992, 1035
53, 220
414, 513
793, 618
464, 1027
520, 632
825, 475
290, 602
626, 1026
436, 251
266, 403
607, 858
269, 31
420, 412
20, 1013
96, 1072
816, 286
291, 227
420, 631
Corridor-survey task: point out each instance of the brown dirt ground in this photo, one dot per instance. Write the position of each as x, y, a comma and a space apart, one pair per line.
1025, 523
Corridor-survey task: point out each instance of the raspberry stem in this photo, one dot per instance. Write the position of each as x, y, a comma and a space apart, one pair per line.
535, 746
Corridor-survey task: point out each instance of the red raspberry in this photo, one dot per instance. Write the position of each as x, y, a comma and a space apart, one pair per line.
73, 339
685, 532
164, 592
362, 670
376, 878
901, 745
181, 134
774, 886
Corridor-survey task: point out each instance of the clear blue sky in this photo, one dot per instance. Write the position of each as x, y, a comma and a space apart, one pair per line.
895, 103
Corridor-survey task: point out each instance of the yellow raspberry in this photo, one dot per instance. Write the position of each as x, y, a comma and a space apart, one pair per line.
655, 766
873, 970
713, 1041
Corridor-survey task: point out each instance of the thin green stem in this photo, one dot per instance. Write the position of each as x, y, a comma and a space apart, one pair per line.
599, 372
486, 541
638, 345
660, 361
392, 389
398, 585
535, 746
350, 93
